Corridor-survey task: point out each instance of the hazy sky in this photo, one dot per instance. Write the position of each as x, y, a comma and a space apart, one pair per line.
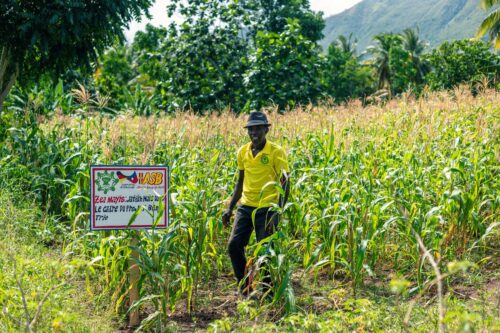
159, 12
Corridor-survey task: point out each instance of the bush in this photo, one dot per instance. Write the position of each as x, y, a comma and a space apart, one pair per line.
462, 61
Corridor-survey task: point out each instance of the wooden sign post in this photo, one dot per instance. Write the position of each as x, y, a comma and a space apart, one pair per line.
126, 197
134, 274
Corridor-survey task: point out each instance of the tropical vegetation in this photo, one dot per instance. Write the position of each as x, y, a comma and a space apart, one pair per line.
391, 204
392, 222
491, 23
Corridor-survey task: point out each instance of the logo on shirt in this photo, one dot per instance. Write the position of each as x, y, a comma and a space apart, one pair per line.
264, 159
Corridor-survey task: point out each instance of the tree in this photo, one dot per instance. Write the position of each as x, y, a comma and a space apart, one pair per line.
115, 72
462, 61
491, 23
398, 62
129, 75
203, 69
203, 63
347, 45
284, 69
402, 70
50, 36
381, 52
204, 57
273, 15
415, 48
344, 76
147, 51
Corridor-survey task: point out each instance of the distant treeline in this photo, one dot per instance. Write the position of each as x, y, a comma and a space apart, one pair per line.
244, 57
189, 69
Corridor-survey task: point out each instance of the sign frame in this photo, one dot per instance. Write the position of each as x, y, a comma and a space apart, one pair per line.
166, 200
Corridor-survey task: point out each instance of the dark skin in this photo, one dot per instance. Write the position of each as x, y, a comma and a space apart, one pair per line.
257, 135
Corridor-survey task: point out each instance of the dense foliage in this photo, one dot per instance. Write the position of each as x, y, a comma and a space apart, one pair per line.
284, 69
345, 76
389, 204
37, 37
243, 55
461, 62
274, 15
198, 67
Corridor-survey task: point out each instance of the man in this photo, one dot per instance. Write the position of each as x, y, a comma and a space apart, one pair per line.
262, 168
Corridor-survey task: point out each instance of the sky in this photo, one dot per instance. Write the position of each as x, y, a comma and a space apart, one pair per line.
159, 13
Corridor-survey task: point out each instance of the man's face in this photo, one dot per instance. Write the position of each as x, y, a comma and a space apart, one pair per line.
257, 134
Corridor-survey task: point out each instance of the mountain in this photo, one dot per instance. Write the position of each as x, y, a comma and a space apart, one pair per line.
437, 20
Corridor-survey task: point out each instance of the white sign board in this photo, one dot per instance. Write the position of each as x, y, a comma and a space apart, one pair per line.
118, 192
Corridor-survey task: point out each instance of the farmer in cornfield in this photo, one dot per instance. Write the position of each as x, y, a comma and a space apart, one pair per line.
263, 167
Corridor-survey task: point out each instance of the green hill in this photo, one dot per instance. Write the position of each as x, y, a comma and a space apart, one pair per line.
437, 20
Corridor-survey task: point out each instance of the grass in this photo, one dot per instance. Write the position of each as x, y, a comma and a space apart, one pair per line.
400, 197
332, 310
36, 279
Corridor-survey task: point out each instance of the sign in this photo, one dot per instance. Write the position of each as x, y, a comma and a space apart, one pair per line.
123, 195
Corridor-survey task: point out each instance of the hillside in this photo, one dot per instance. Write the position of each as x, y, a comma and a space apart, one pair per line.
437, 20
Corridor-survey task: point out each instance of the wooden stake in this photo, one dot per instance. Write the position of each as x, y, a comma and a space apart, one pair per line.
134, 279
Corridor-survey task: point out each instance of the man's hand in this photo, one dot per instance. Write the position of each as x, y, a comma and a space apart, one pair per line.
226, 217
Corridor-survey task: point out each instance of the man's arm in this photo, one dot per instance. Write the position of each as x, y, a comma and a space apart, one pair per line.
238, 190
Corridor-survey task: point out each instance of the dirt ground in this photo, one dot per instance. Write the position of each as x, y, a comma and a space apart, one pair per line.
322, 294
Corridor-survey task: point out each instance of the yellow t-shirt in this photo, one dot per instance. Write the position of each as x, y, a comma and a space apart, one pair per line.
262, 174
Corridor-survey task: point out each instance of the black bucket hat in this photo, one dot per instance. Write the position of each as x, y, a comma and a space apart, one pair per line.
257, 118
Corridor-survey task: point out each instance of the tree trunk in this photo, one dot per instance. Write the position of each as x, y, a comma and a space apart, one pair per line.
7, 78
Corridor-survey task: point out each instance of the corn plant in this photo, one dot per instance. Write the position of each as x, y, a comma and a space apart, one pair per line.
367, 185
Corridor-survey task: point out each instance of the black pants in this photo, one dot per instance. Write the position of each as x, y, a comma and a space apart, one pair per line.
242, 229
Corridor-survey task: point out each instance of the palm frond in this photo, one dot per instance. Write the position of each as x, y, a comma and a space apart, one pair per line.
489, 22
486, 4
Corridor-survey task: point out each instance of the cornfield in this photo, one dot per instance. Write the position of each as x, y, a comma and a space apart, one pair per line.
367, 183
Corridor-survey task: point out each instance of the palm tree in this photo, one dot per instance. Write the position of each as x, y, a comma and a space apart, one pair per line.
380, 51
491, 23
415, 48
347, 44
